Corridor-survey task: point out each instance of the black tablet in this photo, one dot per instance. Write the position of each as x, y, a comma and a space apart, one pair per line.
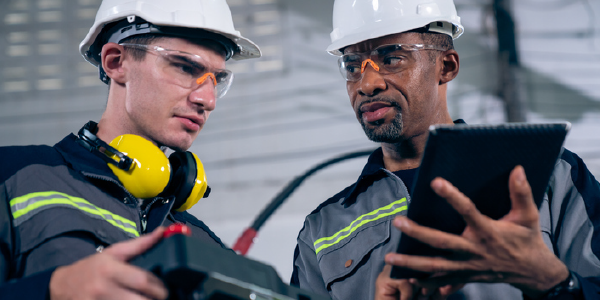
477, 159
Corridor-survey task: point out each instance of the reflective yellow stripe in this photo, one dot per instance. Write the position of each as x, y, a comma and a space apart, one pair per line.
360, 221
57, 198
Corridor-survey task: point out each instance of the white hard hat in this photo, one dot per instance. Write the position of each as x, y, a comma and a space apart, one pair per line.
355, 21
172, 17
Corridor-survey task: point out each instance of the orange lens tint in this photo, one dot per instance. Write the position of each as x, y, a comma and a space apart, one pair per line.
200, 80
364, 65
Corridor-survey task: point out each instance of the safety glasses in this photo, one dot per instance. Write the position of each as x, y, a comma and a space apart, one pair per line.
187, 70
385, 59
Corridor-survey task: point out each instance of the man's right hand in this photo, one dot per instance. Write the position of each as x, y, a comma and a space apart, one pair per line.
107, 275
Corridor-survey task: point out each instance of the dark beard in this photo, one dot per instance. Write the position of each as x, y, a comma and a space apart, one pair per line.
385, 133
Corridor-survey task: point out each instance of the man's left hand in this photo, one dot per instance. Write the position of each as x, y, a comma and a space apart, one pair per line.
509, 250
387, 288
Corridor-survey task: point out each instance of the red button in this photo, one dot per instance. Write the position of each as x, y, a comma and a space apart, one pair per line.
177, 228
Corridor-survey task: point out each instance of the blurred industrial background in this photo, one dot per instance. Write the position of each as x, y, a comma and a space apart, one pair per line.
289, 111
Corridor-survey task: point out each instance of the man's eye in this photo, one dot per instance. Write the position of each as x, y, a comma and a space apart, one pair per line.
220, 76
393, 60
186, 69
353, 68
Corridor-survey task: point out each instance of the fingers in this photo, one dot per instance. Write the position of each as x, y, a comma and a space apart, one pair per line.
440, 293
141, 281
424, 263
406, 289
524, 211
435, 238
120, 294
127, 250
463, 205
437, 292
134, 278
387, 288
107, 275
450, 289
101, 276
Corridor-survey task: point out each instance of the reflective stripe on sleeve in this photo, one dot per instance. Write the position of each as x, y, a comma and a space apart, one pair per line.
388, 210
26, 206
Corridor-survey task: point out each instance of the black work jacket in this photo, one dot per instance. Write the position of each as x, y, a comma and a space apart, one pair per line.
60, 204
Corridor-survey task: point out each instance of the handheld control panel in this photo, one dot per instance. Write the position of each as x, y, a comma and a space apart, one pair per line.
193, 269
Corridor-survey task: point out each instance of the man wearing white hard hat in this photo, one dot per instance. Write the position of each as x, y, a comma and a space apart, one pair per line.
397, 57
73, 215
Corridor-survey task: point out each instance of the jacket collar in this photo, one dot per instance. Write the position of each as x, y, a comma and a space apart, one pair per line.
373, 169
82, 160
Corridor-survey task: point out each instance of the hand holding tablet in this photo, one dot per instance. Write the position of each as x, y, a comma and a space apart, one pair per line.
477, 159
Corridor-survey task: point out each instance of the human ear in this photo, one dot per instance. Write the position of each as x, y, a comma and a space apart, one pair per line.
112, 62
450, 66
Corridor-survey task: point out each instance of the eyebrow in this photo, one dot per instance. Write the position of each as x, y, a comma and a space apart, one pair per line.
190, 61
387, 49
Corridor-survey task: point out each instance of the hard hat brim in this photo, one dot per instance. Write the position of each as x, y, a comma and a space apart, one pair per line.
383, 30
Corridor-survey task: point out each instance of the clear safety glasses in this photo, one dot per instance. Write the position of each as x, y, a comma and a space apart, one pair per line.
187, 70
385, 59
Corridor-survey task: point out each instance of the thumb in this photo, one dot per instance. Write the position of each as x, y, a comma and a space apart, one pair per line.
524, 211
127, 250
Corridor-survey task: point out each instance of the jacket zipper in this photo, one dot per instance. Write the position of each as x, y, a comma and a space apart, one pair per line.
144, 214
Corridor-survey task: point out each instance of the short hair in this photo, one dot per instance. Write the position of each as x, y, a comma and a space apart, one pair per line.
142, 39
434, 38
438, 39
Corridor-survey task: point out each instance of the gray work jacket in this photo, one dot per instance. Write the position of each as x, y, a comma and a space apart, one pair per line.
341, 248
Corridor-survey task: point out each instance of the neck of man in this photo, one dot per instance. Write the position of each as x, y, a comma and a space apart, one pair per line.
115, 120
407, 154
404, 155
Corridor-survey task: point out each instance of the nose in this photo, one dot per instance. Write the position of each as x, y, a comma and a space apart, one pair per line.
372, 81
204, 96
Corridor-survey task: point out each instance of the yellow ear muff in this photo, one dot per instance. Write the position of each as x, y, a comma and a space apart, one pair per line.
150, 171
199, 188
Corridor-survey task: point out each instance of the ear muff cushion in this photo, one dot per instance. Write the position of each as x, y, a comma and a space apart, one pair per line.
183, 177
200, 188
149, 173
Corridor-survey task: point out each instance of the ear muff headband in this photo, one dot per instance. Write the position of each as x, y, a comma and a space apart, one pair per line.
89, 140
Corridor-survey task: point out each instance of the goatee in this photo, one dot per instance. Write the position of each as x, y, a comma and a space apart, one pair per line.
381, 132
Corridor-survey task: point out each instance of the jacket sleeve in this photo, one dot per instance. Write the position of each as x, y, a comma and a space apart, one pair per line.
33, 287
306, 273
590, 287
6, 236
575, 207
